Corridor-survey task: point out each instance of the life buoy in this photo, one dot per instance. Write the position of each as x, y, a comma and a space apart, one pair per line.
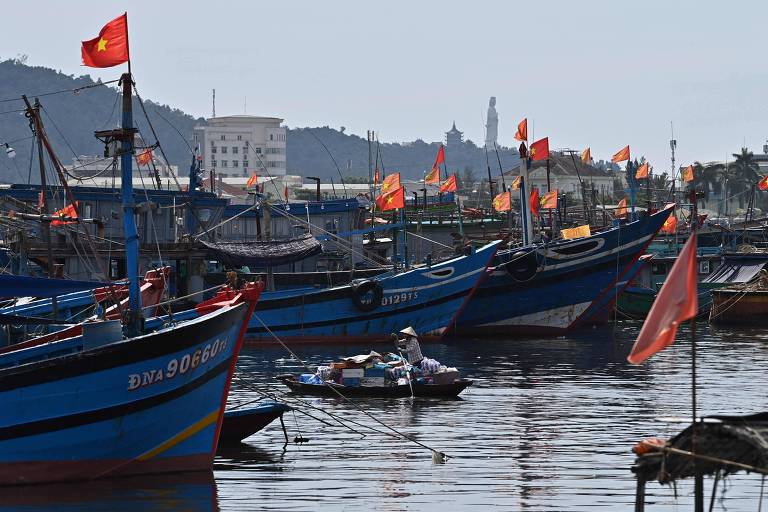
366, 294
522, 265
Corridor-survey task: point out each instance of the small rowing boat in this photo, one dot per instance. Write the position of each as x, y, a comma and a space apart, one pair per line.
421, 390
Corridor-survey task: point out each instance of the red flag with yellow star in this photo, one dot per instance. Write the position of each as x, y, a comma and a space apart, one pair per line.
449, 185
391, 182
549, 200
533, 201
621, 155
763, 183
642, 171
144, 157
503, 202
540, 149
252, 181
110, 48
68, 211
391, 200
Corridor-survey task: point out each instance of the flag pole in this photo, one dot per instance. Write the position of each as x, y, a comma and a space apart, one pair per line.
698, 477
127, 45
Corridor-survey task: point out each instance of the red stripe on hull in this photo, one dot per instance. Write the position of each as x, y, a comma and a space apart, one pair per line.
36, 472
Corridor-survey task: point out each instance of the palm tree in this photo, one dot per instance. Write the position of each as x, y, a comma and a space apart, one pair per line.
711, 177
743, 173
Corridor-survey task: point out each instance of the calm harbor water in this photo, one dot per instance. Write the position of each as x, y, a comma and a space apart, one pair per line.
548, 426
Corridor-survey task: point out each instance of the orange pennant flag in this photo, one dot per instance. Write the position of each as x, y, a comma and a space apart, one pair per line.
763, 183
621, 155
621, 211
534, 202
586, 156
391, 182
549, 200
252, 181
503, 202
433, 176
516, 183
440, 158
688, 173
391, 200
540, 149
68, 211
144, 157
449, 185
670, 225
522, 130
676, 302
110, 47
642, 171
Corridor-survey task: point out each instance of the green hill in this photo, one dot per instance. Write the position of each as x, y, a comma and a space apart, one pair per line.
71, 119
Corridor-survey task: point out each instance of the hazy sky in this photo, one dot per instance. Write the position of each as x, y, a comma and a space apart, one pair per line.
597, 73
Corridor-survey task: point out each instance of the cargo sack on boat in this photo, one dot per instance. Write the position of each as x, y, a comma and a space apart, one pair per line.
262, 254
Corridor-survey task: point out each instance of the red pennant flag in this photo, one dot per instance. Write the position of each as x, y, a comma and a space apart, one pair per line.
688, 173
440, 158
110, 48
540, 149
68, 211
449, 185
621, 155
621, 211
391, 200
522, 130
763, 183
670, 225
391, 182
534, 202
642, 171
285, 191
503, 202
252, 181
144, 157
433, 176
549, 200
676, 302
586, 156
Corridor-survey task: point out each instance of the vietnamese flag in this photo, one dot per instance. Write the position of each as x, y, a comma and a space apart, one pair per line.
391, 200
676, 302
763, 183
621, 155
391, 182
549, 200
449, 185
253, 180
503, 202
440, 158
522, 130
534, 202
68, 211
110, 48
433, 176
642, 171
540, 149
670, 225
144, 157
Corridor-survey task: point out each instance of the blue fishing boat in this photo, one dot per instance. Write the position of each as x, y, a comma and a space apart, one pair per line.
428, 298
117, 400
552, 288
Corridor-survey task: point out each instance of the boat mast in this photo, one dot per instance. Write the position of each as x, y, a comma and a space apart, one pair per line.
133, 323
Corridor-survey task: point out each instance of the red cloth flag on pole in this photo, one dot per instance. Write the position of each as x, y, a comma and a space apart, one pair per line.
642, 171
534, 202
621, 211
391, 182
621, 155
670, 225
586, 156
68, 211
144, 157
688, 173
676, 302
522, 130
449, 185
540, 149
503, 202
763, 183
440, 158
391, 200
285, 191
252, 181
433, 177
110, 47
549, 200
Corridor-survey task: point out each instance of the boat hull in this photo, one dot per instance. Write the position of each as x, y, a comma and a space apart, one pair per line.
427, 298
739, 307
241, 423
551, 289
451, 390
149, 404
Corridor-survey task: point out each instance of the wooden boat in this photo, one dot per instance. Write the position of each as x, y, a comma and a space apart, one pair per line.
241, 423
328, 389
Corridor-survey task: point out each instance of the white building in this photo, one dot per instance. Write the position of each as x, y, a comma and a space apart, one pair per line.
241, 145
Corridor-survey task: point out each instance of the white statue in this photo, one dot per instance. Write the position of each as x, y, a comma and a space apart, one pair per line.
492, 124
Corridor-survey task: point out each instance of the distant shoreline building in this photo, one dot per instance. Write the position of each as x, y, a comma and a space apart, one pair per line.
241, 145
454, 137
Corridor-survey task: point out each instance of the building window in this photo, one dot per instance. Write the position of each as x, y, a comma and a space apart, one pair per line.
258, 151
223, 163
245, 150
245, 163
213, 162
235, 150
223, 137
224, 150
235, 163
271, 164
213, 149
245, 172
195, 137
239, 137
271, 137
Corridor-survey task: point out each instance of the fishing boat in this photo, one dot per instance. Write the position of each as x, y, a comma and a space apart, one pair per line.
421, 390
428, 297
121, 400
551, 288
244, 422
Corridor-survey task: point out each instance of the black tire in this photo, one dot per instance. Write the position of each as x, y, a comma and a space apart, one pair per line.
367, 294
522, 266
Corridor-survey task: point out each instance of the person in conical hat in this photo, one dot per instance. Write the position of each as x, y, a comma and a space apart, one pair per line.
410, 345
409, 331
